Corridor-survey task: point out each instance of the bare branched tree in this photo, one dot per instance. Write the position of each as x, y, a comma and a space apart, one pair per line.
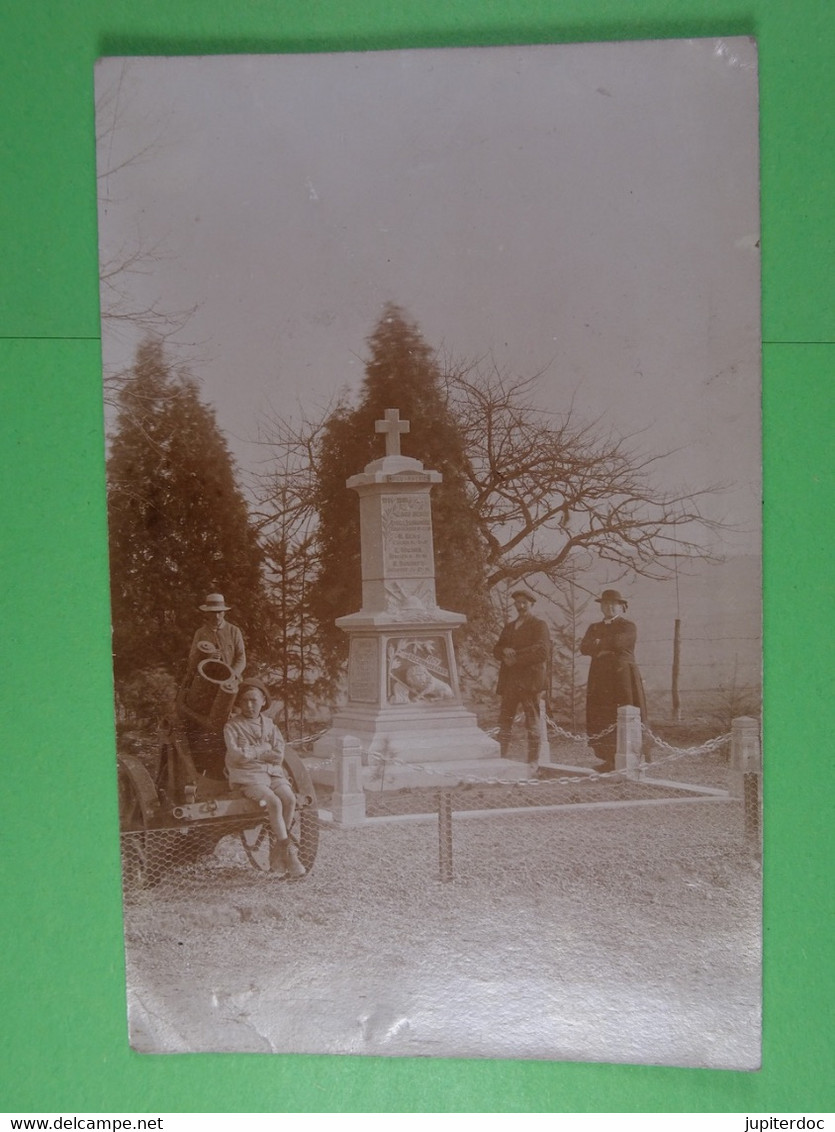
551, 494
124, 263
566, 691
285, 489
286, 519
547, 486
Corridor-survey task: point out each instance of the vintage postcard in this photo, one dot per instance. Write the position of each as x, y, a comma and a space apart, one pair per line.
432, 388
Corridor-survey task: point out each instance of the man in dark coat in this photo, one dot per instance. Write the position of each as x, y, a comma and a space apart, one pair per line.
522, 650
614, 676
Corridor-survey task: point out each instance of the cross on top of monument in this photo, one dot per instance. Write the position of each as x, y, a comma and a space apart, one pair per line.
392, 426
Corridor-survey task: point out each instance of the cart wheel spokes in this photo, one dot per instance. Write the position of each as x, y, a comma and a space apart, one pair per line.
130, 808
257, 842
134, 835
305, 828
304, 832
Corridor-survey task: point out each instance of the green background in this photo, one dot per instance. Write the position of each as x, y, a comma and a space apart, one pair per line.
64, 1045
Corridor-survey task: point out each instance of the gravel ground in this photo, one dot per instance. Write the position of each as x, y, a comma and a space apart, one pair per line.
628, 933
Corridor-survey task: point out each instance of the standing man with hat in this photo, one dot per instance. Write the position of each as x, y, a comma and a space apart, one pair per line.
218, 637
614, 676
522, 650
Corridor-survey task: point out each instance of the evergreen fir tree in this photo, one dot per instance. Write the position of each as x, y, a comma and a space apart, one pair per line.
179, 527
401, 372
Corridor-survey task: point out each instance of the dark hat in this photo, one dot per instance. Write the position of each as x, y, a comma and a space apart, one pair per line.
254, 682
522, 591
613, 596
214, 604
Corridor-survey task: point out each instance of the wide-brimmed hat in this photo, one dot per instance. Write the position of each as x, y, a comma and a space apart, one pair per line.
521, 591
613, 596
254, 682
214, 604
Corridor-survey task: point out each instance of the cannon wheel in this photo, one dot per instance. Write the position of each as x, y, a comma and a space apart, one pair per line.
165, 780
137, 806
258, 840
305, 831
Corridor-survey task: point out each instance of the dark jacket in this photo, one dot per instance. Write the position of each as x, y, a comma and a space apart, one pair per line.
614, 677
532, 643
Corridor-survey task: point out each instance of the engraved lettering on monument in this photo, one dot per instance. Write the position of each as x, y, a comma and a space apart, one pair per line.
362, 670
407, 536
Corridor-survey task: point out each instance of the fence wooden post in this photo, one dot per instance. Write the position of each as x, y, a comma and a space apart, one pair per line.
348, 805
746, 772
445, 833
628, 753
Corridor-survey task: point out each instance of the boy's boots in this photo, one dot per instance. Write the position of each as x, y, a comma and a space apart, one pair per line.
285, 859
278, 856
294, 866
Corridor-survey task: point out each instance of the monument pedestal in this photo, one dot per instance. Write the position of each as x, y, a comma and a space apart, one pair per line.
404, 699
450, 735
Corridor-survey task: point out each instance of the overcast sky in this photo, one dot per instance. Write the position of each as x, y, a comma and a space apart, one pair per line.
589, 210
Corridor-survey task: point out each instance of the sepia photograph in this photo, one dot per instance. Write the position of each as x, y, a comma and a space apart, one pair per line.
432, 386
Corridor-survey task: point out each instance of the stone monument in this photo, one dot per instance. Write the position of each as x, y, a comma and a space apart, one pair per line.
404, 699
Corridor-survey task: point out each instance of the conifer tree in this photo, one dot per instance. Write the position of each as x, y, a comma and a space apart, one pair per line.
179, 527
401, 372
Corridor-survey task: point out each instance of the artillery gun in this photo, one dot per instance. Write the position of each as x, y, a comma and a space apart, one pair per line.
178, 814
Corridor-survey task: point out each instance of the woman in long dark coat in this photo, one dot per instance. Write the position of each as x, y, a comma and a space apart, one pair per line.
614, 676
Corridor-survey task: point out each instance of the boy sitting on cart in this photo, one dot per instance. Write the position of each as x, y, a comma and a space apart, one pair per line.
254, 758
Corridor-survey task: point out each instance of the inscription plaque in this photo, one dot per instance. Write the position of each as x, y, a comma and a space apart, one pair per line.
362, 671
407, 536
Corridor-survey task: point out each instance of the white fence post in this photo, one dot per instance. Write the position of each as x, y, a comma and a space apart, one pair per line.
630, 742
544, 756
348, 804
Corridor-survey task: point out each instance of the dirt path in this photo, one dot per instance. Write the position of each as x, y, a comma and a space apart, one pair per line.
626, 934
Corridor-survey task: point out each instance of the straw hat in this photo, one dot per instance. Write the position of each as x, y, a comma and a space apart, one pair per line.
214, 604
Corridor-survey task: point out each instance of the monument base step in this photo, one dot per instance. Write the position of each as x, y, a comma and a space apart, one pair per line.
453, 736
453, 773
399, 776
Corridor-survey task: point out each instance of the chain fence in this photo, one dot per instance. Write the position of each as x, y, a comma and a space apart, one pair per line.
566, 780
571, 780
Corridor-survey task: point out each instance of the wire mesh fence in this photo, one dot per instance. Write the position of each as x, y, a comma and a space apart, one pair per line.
567, 780
570, 776
521, 795
163, 862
